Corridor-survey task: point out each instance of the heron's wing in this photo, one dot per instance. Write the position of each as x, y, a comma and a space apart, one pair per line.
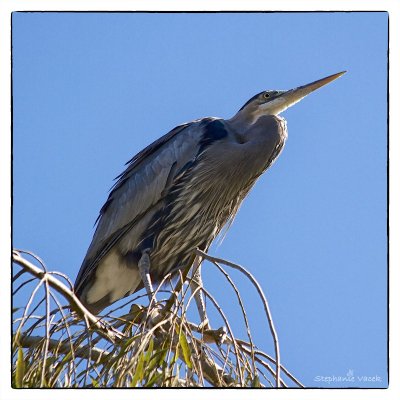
139, 188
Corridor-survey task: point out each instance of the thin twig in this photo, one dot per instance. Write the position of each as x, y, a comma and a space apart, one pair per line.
97, 355
263, 298
226, 322
242, 308
47, 328
70, 296
232, 363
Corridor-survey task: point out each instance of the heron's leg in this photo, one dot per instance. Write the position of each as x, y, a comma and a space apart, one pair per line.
196, 284
144, 270
209, 335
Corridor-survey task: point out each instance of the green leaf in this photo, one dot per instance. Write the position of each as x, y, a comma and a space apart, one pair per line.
176, 355
149, 351
61, 365
127, 343
185, 349
20, 369
139, 371
157, 359
256, 382
154, 379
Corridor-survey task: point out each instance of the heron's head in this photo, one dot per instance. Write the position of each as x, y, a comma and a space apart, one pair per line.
273, 102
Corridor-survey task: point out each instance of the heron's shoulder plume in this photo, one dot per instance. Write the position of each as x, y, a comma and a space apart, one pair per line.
135, 162
144, 154
213, 130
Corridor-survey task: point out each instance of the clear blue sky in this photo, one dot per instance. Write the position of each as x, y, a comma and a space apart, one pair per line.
91, 90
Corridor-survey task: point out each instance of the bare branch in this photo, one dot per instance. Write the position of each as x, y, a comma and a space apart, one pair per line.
79, 308
98, 355
146, 347
216, 260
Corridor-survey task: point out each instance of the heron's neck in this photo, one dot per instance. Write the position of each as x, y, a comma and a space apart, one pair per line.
241, 121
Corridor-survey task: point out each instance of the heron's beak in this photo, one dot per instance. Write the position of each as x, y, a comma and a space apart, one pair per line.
290, 97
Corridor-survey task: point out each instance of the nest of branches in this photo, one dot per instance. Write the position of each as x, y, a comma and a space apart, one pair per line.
58, 343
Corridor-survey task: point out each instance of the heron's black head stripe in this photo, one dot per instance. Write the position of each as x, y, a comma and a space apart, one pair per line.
249, 101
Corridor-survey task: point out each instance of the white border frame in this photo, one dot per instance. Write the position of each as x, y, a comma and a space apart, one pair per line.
8, 6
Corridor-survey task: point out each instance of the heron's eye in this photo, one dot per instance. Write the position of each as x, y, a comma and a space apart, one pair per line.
266, 95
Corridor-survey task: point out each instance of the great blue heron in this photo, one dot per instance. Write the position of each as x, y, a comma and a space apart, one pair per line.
178, 193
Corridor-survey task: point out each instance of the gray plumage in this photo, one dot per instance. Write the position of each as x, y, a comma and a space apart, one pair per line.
179, 192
